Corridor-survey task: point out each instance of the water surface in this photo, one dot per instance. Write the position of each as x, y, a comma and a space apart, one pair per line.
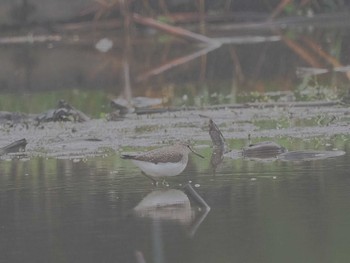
69, 211
59, 204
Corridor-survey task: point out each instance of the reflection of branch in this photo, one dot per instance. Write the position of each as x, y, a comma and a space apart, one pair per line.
200, 201
196, 197
30, 39
308, 56
304, 54
332, 60
173, 30
164, 7
237, 64
140, 258
127, 51
176, 31
304, 71
176, 62
318, 49
126, 75
198, 221
279, 8
201, 10
304, 2
147, 7
203, 68
260, 61
88, 25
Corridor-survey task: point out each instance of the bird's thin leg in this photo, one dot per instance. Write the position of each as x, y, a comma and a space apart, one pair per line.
165, 183
154, 182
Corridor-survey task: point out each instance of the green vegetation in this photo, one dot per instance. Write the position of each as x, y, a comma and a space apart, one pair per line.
94, 103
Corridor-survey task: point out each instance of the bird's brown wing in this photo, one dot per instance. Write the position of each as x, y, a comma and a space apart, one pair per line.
159, 156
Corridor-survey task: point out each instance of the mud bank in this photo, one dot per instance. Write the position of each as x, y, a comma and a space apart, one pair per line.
96, 137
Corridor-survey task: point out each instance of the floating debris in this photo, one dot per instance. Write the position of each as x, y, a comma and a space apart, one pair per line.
263, 150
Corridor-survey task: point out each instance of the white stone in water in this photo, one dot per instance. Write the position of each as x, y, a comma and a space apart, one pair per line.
253, 179
104, 45
197, 185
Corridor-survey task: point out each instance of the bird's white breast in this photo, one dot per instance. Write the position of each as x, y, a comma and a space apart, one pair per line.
161, 169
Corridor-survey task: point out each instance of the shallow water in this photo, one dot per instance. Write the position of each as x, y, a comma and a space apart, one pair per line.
69, 211
70, 198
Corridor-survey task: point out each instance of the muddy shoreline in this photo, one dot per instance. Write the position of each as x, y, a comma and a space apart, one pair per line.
94, 137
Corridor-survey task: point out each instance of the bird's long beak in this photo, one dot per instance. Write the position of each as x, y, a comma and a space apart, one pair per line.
195, 152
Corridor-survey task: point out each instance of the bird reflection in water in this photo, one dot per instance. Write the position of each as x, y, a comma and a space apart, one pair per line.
185, 207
